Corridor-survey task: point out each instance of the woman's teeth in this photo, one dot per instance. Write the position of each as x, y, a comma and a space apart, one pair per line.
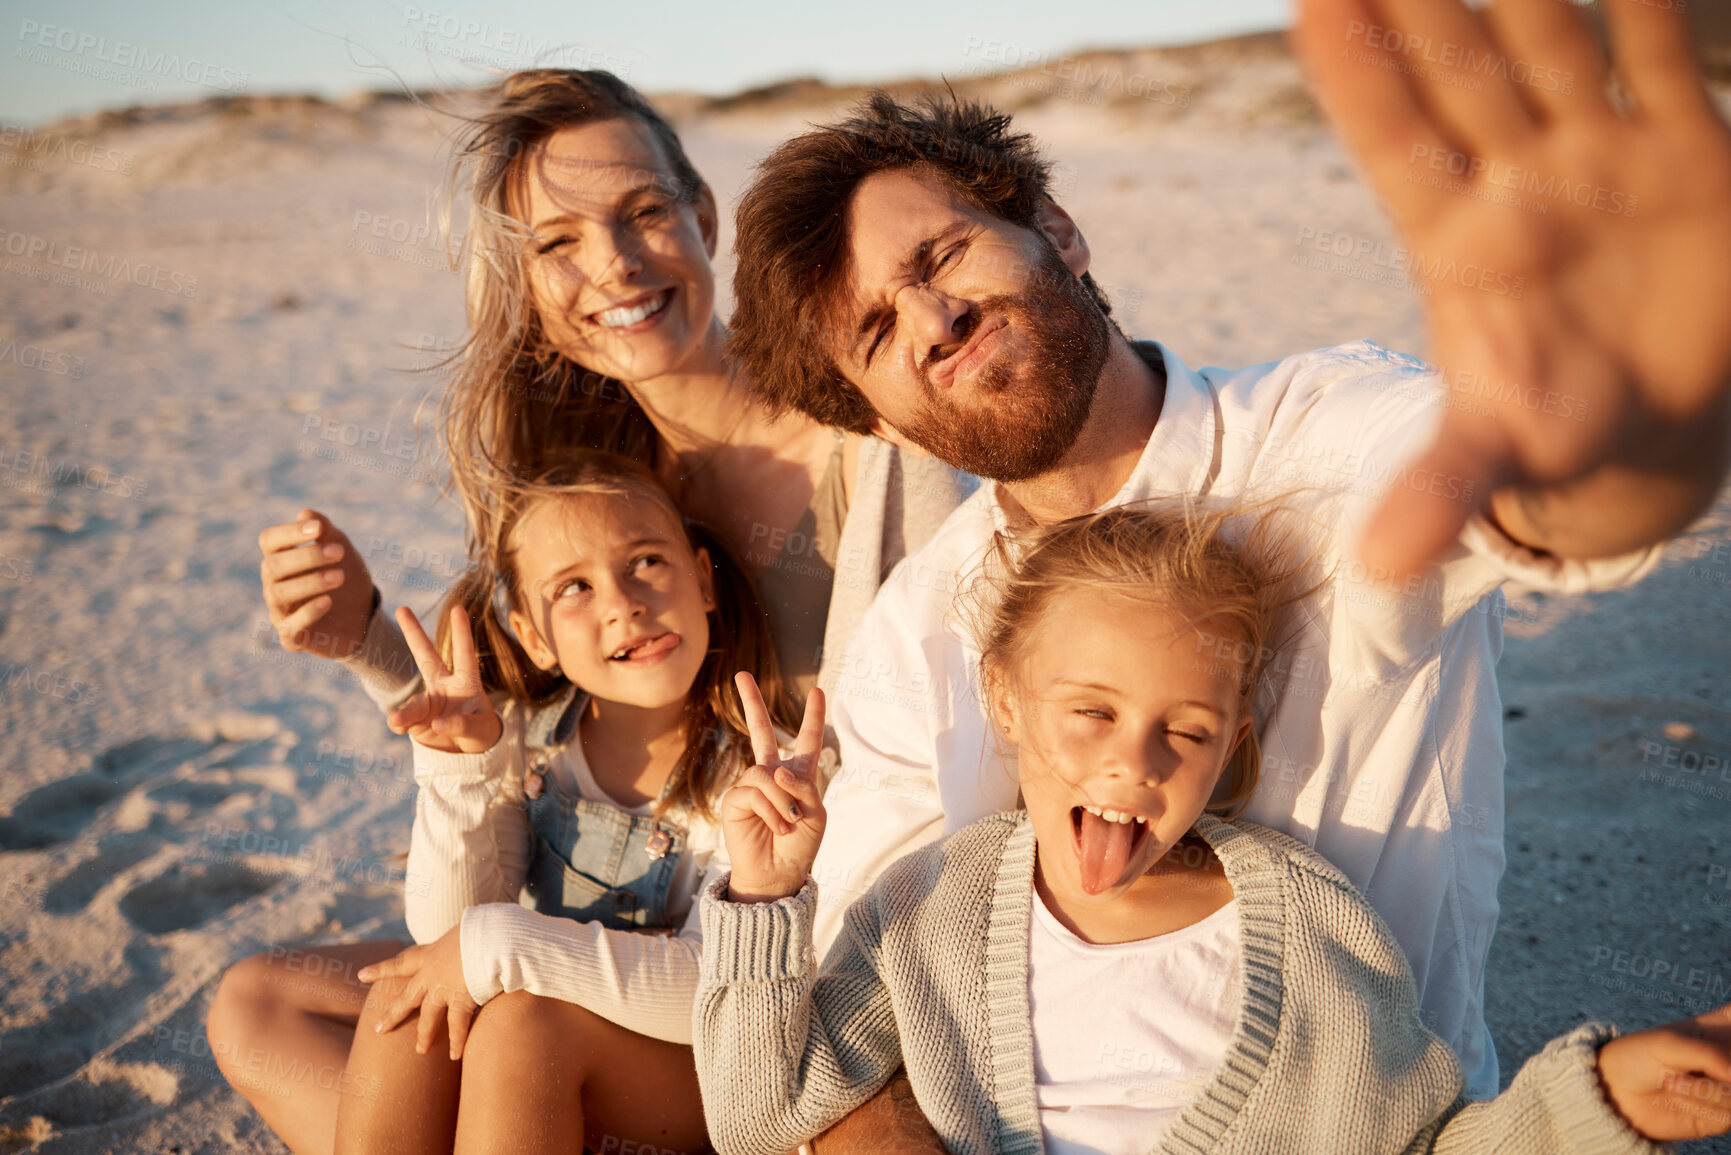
623, 316
1113, 815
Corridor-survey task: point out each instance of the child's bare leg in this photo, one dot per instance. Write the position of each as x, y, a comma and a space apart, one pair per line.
545, 1075
280, 1028
889, 1123
397, 1101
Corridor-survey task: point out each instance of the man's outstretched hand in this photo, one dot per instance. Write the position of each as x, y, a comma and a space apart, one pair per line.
1592, 337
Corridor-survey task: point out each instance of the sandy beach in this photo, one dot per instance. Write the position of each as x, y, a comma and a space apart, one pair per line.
247, 328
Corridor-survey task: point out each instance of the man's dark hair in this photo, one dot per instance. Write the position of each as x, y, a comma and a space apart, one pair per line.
792, 244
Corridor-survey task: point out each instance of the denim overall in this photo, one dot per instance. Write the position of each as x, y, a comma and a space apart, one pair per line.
593, 862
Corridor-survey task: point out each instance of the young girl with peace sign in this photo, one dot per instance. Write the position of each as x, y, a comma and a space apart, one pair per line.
1121, 966
591, 660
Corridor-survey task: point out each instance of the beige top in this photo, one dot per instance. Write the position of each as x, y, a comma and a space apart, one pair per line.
794, 584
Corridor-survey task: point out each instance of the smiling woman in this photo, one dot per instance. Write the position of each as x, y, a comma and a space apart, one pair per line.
590, 302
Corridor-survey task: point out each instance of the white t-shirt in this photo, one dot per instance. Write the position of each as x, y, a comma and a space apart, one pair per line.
1381, 725
1126, 1034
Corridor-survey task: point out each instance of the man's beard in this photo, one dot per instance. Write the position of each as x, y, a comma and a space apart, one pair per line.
1023, 427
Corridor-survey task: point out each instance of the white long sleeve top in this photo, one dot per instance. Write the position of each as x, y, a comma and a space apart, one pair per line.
1381, 725
468, 857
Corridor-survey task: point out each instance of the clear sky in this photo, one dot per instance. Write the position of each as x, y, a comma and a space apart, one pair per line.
75, 56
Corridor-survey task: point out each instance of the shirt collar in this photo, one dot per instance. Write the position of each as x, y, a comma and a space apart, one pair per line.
1181, 456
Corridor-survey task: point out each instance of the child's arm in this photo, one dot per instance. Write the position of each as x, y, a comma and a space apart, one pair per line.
471, 838
643, 982
1591, 1091
781, 1054
782, 1051
470, 842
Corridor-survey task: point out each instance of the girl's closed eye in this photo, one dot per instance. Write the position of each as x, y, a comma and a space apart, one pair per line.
554, 243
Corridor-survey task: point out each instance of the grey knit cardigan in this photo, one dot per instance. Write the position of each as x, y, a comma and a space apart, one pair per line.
931, 971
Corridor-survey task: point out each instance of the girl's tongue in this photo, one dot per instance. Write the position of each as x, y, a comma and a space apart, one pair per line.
1103, 848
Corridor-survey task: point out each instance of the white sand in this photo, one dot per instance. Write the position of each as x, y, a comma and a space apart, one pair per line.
180, 793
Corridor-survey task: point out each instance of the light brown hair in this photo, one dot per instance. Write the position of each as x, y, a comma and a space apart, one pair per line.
791, 236
1235, 568
739, 636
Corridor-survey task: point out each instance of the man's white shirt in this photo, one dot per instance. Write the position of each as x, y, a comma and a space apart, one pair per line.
1380, 722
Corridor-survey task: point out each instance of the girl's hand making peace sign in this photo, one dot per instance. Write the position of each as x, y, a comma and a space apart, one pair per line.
773, 817
451, 713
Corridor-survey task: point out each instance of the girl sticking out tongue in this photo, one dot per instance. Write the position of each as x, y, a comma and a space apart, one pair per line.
1117, 968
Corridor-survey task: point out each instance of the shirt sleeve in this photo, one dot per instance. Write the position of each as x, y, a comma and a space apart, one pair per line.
1342, 430
471, 841
383, 665
782, 1051
912, 737
642, 981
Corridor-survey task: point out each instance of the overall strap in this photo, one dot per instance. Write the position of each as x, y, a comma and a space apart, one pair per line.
554, 724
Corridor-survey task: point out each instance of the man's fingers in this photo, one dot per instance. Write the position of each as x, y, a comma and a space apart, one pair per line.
1371, 103
1424, 511
757, 720
1457, 71
457, 1019
1655, 59
1558, 54
427, 658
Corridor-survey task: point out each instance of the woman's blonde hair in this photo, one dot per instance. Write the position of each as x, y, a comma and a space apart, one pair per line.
513, 398
739, 637
1234, 568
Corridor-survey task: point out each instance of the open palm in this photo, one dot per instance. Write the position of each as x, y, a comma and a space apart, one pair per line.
1576, 249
